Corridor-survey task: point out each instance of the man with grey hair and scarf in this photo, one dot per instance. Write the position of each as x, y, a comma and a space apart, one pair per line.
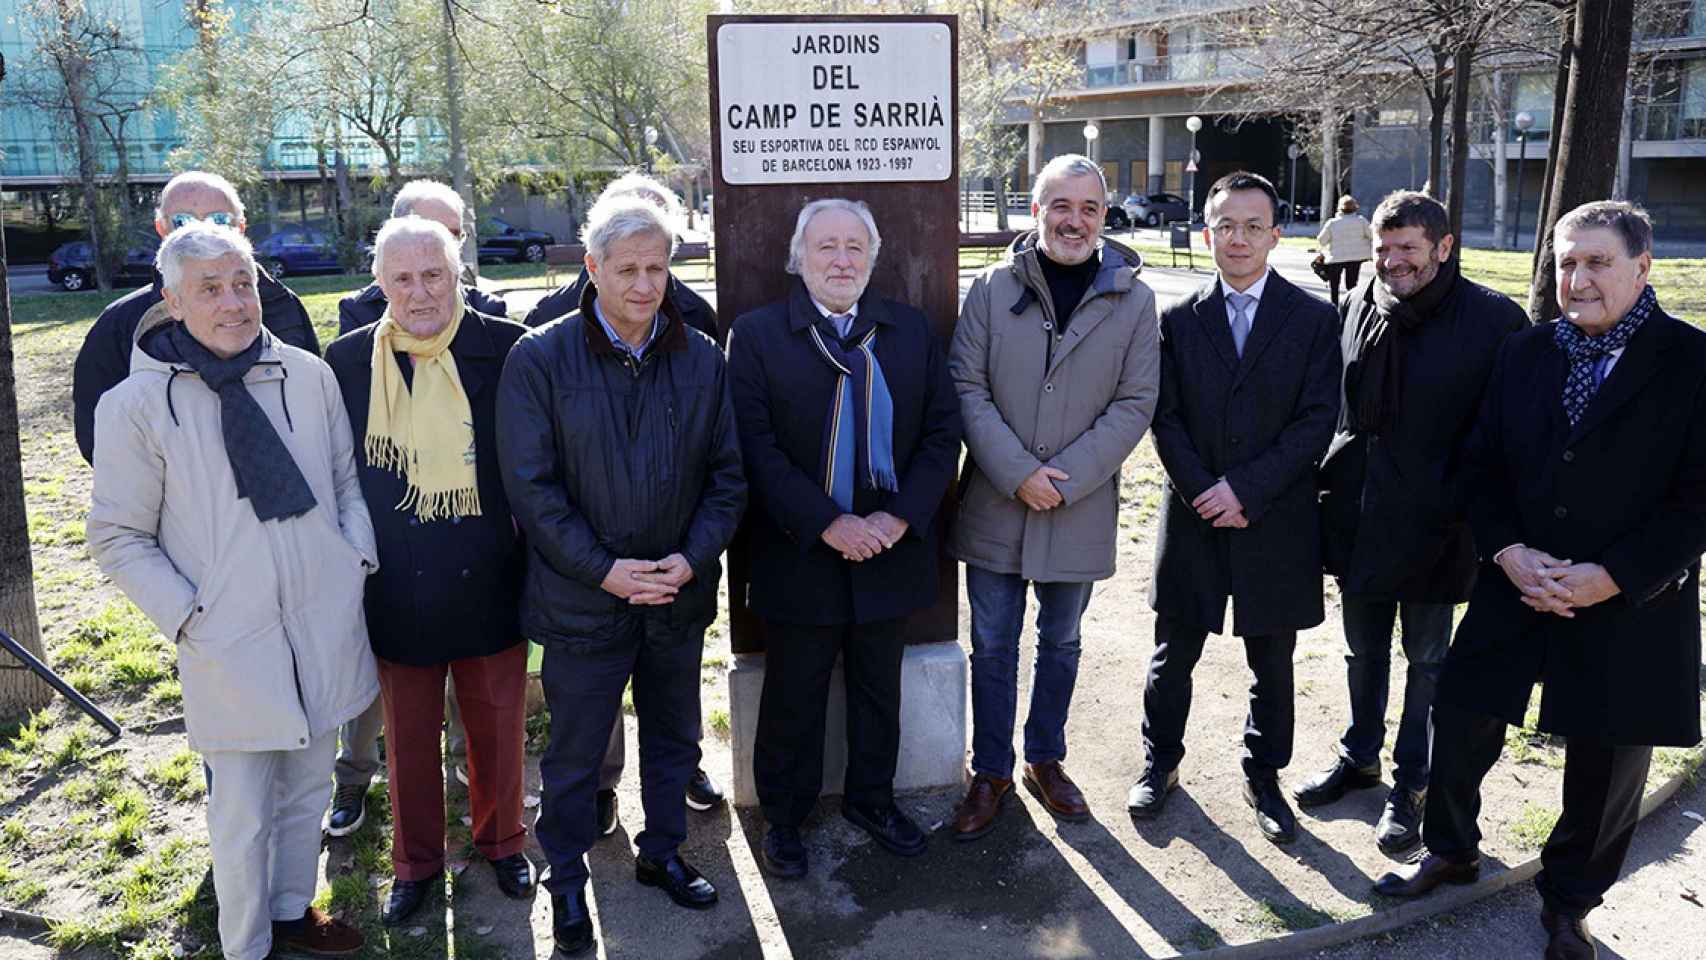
437, 202
226, 506
617, 442
850, 433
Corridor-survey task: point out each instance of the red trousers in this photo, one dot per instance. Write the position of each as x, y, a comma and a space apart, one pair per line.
492, 694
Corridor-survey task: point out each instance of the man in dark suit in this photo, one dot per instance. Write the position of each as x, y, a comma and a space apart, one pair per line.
1418, 343
1589, 508
1249, 397
850, 432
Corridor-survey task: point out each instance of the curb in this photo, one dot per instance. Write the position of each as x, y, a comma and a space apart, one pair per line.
1315, 938
1408, 912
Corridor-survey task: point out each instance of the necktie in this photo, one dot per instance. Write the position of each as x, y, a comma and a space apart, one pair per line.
843, 322
1240, 319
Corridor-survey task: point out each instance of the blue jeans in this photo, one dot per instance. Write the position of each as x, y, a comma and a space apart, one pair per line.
1368, 634
997, 617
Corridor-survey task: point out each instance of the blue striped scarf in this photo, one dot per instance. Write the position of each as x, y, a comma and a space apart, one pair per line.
858, 433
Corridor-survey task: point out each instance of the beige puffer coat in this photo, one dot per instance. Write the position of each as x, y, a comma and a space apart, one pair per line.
272, 642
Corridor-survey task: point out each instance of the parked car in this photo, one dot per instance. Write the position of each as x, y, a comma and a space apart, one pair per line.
72, 266
1156, 209
1114, 218
291, 250
501, 241
1305, 211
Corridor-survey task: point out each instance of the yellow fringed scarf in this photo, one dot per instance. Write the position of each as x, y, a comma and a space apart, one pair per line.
426, 436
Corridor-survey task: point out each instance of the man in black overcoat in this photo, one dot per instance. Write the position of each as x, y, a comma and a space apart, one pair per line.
850, 433
1418, 341
1589, 510
1249, 397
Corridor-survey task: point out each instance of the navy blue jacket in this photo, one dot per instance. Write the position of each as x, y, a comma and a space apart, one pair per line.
608, 458
783, 390
367, 305
447, 589
1624, 488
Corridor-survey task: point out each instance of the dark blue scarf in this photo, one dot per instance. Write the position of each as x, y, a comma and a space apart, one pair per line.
858, 434
1585, 352
266, 473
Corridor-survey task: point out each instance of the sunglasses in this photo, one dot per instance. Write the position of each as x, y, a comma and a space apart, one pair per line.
219, 219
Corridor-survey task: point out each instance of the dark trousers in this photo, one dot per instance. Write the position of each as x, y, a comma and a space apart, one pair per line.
1368, 668
787, 759
1167, 697
1349, 269
1602, 800
584, 691
492, 692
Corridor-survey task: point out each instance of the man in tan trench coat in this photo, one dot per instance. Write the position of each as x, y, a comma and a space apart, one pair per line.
1057, 366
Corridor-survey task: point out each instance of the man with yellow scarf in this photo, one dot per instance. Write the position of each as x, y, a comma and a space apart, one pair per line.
421, 388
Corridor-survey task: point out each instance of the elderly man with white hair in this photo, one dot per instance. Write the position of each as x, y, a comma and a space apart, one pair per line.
226, 506
420, 387
617, 442
104, 359
850, 432
440, 203
694, 309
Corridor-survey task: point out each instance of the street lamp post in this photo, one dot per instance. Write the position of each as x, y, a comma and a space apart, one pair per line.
651, 141
1524, 120
1293, 151
1091, 132
1193, 123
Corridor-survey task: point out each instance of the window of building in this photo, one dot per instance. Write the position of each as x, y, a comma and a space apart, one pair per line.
1173, 180
1534, 94
1397, 117
1140, 176
1111, 174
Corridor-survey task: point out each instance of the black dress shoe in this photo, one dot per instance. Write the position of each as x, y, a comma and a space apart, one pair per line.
1569, 937
1400, 828
1149, 794
407, 896
892, 830
1424, 874
784, 853
1273, 815
703, 792
571, 924
516, 877
1331, 784
675, 877
606, 812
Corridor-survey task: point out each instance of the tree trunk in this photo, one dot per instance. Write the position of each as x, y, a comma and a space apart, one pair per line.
1438, 103
1560, 89
1462, 66
73, 70
20, 690
1000, 194
1587, 141
1501, 175
459, 179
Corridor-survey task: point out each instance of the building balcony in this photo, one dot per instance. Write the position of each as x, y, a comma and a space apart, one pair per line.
1200, 67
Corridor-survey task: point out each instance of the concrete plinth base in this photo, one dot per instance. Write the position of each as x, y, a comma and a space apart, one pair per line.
932, 720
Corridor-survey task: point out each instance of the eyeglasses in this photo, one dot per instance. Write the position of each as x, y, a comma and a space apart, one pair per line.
218, 218
1253, 229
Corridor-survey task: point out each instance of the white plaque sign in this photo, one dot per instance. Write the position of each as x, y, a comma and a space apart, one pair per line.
835, 102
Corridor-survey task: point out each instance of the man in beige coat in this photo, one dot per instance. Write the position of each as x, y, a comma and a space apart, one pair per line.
1057, 367
226, 507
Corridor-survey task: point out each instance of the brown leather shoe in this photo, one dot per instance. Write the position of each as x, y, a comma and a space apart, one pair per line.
976, 814
1421, 876
317, 935
1570, 937
1049, 783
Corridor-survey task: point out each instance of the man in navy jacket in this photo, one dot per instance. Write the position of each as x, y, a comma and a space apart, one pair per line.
850, 432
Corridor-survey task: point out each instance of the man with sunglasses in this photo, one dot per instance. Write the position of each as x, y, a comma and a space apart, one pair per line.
104, 360
1249, 399
438, 202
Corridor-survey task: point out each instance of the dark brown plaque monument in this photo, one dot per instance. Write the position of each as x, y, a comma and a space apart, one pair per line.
836, 112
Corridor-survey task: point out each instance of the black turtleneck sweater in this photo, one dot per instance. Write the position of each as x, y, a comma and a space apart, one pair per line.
1067, 283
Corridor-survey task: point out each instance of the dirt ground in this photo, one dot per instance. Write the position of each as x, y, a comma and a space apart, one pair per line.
1199, 877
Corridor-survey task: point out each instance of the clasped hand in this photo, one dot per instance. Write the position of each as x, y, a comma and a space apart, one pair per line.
648, 582
1219, 505
1551, 585
859, 538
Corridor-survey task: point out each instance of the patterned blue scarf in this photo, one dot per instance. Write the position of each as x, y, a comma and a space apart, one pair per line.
1585, 352
859, 429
